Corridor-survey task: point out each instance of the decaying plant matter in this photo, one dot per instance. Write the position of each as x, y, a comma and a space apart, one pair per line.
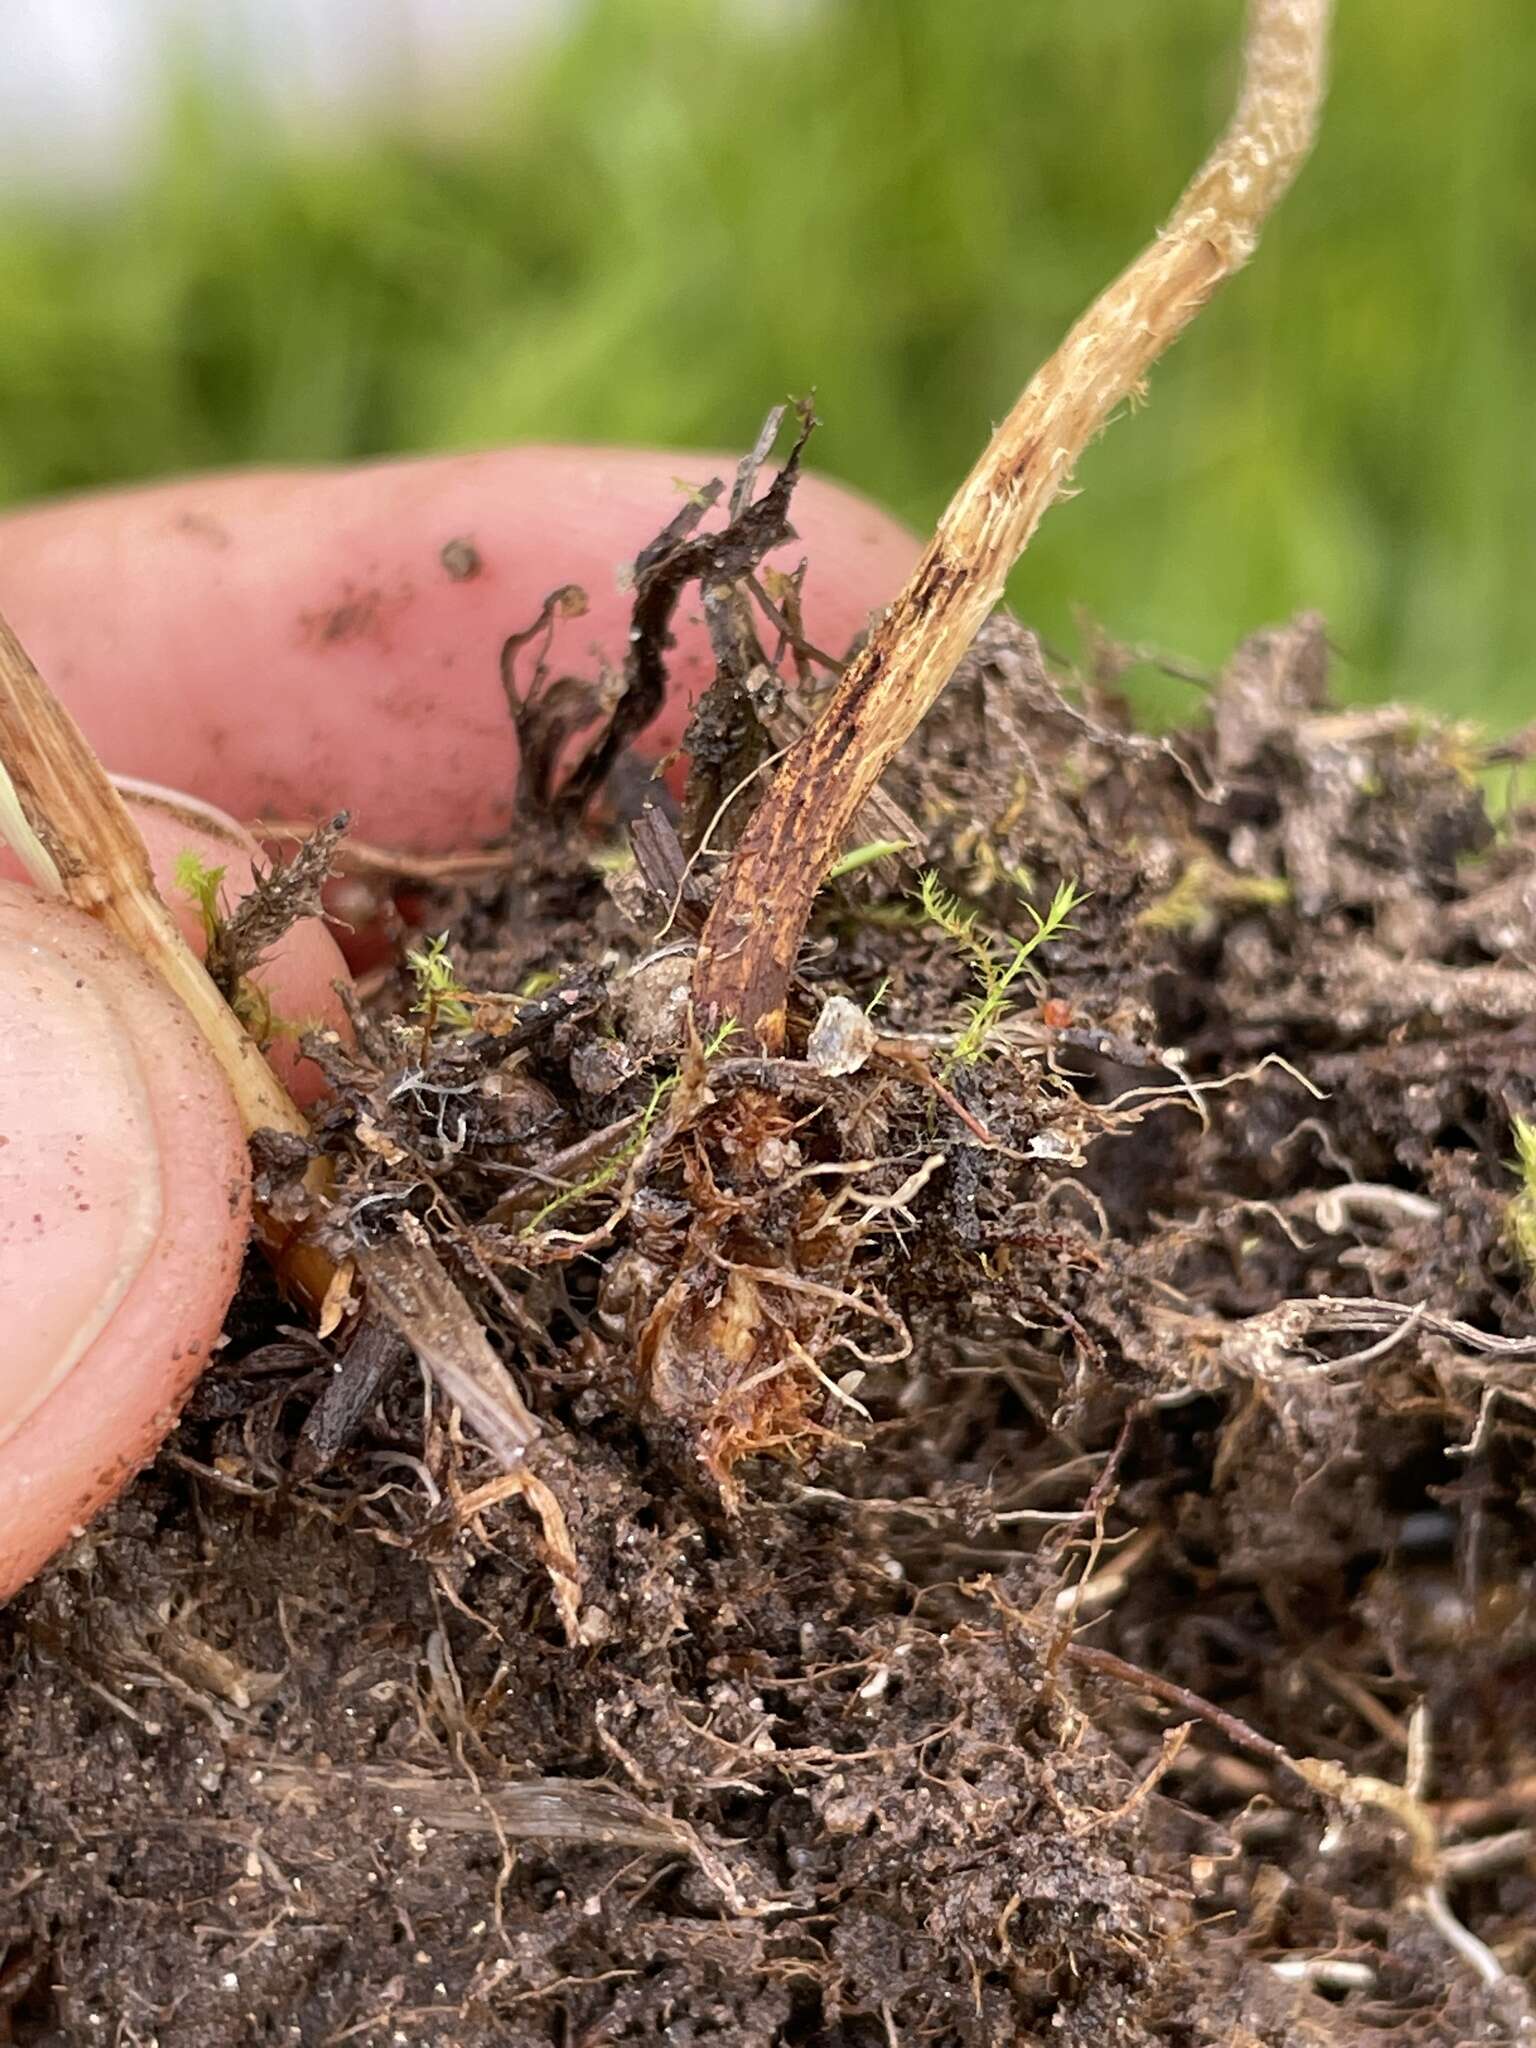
1123, 1635
753, 935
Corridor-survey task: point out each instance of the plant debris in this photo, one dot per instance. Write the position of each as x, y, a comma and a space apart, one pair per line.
1008, 1526
284, 892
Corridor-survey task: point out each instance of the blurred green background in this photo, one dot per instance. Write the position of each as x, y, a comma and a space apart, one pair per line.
681, 210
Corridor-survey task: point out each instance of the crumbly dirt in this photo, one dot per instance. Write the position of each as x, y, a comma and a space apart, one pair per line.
1032, 1541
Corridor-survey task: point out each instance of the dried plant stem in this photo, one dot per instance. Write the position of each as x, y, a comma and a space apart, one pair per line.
97, 861
753, 933
75, 836
69, 824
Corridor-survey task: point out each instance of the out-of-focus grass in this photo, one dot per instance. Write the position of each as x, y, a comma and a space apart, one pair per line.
682, 212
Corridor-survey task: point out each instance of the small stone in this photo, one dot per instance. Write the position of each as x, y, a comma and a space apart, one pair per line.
842, 1038
599, 1065
461, 558
777, 1157
654, 1002
521, 1105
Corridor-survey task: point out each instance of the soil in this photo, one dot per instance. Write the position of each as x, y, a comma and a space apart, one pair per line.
1030, 1542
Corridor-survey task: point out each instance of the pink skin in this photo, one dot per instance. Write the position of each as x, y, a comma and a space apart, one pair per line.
124, 1195
299, 976
283, 645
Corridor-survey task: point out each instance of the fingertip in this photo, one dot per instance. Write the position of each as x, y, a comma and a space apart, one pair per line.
124, 1199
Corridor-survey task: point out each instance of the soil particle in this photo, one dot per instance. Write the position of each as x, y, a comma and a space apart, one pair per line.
462, 560
356, 614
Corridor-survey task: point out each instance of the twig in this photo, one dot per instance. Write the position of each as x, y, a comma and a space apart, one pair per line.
1105, 1664
360, 857
411, 1290
747, 957
588, 1812
75, 836
84, 847
375, 1354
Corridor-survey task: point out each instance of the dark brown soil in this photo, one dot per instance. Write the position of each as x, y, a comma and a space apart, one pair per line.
1049, 1536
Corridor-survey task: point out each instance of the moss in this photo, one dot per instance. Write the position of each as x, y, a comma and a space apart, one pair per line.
1205, 889
1522, 1207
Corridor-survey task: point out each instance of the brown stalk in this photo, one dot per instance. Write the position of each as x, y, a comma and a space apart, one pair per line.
97, 862
67, 821
77, 840
747, 954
